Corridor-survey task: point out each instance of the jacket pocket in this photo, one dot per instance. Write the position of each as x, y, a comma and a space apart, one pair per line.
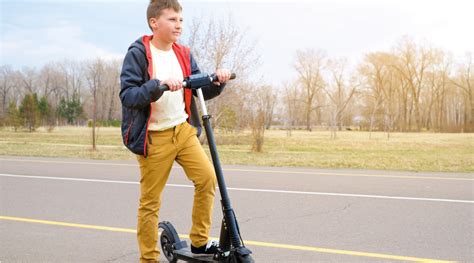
129, 129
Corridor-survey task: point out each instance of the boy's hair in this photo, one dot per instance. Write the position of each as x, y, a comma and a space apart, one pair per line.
156, 6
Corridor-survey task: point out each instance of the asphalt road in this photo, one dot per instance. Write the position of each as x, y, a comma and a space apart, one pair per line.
67, 210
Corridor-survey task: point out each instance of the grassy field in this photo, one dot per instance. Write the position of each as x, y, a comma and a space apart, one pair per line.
352, 149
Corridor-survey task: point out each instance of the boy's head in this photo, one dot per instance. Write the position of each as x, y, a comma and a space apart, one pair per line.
157, 6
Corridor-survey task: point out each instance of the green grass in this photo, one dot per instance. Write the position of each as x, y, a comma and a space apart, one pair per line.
352, 149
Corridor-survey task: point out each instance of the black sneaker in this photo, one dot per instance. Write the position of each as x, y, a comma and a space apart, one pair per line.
210, 248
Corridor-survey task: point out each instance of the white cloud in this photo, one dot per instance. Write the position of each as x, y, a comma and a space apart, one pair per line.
34, 46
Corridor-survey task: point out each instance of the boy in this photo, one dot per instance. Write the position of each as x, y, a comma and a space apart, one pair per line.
162, 127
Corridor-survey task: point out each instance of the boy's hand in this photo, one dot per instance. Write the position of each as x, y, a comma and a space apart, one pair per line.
223, 75
173, 84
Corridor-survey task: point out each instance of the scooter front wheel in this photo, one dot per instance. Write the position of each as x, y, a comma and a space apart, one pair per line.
168, 241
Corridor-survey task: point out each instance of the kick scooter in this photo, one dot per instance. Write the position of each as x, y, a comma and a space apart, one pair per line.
231, 246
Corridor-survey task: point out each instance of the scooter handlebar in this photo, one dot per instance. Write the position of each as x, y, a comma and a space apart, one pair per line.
197, 81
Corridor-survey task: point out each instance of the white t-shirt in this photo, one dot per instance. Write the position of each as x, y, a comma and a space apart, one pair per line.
169, 110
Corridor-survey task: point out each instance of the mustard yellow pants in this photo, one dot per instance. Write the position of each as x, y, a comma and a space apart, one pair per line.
178, 144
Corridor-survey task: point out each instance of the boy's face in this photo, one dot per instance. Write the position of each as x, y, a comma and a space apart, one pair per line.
168, 26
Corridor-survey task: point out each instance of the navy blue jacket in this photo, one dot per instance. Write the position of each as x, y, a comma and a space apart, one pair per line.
138, 91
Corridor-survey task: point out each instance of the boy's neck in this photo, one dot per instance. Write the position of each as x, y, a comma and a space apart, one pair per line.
161, 45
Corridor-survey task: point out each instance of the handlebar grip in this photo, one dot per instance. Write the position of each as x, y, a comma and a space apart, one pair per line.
214, 76
163, 88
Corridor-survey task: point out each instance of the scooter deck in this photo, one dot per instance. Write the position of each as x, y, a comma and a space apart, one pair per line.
186, 255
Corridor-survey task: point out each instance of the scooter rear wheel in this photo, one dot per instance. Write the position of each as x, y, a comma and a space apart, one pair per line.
167, 246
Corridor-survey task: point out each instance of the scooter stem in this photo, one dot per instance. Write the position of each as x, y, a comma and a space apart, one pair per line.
202, 102
229, 216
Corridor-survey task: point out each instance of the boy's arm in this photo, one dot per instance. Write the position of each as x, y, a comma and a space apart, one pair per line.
208, 92
135, 93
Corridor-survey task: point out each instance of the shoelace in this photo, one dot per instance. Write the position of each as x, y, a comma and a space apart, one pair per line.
212, 243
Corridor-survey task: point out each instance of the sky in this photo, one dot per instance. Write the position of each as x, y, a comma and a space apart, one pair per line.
35, 32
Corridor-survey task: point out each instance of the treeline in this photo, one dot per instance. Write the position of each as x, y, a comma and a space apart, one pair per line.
413, 87
33, 112
60, 93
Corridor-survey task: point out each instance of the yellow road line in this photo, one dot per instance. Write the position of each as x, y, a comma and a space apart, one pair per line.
343, 252
56, 223
248, 242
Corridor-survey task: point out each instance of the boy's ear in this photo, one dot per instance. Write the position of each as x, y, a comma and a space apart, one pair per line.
153, 23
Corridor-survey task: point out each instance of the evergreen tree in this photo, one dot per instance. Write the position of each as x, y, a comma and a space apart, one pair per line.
45, 112
70, 110
29, 111
13, 116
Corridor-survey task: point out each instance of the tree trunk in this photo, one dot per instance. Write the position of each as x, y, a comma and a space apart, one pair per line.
308, 117
94, 117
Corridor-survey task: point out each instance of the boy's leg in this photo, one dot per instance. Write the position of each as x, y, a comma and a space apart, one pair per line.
154, 171
199, 170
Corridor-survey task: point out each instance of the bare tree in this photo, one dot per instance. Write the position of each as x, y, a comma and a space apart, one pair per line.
56, 90
221, 44
413, 63
379, 89
45, 79
290, 98
464, 80
258, 109
309, 65
340, 92
390, 93
438, 85
7, 83
270, 101
28, 77
113, 86
94, 73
